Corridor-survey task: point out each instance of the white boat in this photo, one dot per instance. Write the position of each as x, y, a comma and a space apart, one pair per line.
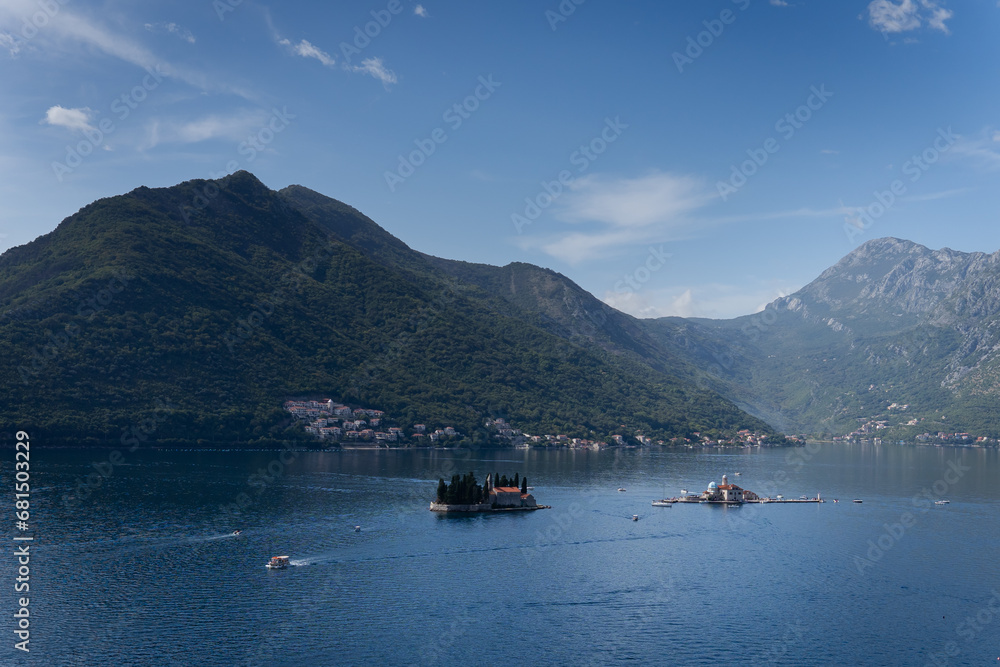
237, 532
357, 529
277, 563
635, 517
622, 489
941, 502
663, 503
857, 500
738, 474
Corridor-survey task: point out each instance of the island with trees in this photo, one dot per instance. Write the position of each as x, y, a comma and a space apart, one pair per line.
498, 493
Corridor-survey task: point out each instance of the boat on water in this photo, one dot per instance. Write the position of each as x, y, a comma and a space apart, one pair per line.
237, 532
621, 489
941, 502
666, 502
357, 529
635, 517
277, 563
738, 474
857, 500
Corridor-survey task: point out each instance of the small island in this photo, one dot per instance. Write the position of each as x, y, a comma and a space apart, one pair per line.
496, 494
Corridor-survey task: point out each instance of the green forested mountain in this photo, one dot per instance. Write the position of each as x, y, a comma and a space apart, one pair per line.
192, 312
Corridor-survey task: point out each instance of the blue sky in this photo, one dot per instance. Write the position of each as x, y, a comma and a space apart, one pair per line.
695, 159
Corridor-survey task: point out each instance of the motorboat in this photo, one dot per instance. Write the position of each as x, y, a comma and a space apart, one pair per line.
738, 474
857, 500
277, 563
237, 532
621, 489
635, 517
941, 502
663, 503
357, 529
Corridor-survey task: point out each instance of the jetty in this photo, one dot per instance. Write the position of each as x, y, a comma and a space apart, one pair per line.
731, 494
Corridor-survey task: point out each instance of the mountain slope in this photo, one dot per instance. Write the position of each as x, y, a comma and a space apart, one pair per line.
222, 311
892, 322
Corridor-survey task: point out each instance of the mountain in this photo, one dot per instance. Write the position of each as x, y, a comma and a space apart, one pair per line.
892, 322
192, 312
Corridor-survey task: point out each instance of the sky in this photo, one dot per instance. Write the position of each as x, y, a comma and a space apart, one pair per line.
698, 159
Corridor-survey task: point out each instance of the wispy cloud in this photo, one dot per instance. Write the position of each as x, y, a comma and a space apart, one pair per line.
779, 3
420, 11
11, 43
373, 67
613, 213
982, 150
77, 119
65, 31
376, 68
308, 50
890, 17
173, 29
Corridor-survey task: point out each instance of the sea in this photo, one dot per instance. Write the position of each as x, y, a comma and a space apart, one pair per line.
133, 560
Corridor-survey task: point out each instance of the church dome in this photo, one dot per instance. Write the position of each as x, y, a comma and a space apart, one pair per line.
712, 486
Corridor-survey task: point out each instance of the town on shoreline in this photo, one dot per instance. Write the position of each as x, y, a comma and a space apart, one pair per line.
337, 425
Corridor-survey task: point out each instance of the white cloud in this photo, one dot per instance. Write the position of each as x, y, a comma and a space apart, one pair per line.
233, 127
376, 68
421, 11
77, 120
983, 150
308, 50
779, 3
889, 17
11, 43
173, 29
658, 198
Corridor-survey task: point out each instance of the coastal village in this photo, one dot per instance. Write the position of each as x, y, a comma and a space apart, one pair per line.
879, 429
337, 425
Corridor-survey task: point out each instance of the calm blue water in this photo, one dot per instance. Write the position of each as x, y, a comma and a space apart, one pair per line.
143, 572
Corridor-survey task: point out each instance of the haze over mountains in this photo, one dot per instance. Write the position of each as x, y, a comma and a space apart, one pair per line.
199, 308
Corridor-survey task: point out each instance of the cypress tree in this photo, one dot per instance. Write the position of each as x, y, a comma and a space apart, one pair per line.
442, 493
524, 485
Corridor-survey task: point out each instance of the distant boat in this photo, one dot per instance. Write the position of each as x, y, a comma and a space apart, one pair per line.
663, 503
277, 563
621, 488
237, 532
780, 496
941, 502
858, 500
803, 498
357, 529
635, 517
835, 500
738, 474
